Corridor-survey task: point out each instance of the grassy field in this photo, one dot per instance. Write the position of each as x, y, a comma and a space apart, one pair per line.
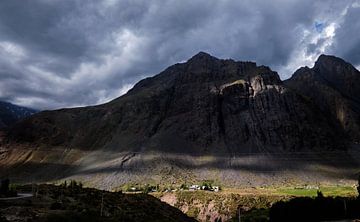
342, 191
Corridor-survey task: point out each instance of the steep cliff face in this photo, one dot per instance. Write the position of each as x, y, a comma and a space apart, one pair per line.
333, 85
206, 105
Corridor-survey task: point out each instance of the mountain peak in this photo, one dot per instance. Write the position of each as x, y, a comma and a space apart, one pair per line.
324, 56
201, 56
328, 60
333, 85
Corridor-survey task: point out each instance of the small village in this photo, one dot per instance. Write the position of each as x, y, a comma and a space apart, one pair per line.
205, 186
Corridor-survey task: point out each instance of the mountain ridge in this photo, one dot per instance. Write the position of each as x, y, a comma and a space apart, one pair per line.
192, 120
203, 85
10, 113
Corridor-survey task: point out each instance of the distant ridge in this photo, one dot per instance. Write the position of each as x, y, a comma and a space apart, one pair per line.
10, 114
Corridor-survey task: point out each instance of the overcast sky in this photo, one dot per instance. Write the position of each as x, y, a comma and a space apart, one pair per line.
66, 53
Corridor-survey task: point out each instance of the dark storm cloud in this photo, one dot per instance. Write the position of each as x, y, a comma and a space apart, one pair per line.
70, 53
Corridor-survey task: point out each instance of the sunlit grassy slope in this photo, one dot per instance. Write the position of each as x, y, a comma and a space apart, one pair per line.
343, 191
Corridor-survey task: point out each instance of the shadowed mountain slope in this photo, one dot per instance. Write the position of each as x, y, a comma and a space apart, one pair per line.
204, 106
334, 86
233, 122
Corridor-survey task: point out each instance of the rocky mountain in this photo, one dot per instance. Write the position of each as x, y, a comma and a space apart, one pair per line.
10, 113
333, 85
196, 119
206, 105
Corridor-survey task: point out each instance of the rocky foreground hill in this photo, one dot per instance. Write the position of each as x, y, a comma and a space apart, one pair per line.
207, 118
51, 203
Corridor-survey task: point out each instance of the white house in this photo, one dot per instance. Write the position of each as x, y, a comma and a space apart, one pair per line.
194, 187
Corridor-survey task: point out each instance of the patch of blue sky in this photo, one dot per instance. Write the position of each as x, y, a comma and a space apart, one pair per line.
319, 26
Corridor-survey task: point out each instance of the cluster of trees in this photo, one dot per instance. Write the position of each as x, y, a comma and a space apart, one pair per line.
72, 185
316, 209
67, 188
207, 185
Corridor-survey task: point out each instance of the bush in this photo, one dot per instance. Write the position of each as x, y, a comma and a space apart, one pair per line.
206, 185
149, 188
184, 187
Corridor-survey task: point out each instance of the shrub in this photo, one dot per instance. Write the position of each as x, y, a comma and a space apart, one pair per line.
206, 185
184, 187
149, 188
319, 194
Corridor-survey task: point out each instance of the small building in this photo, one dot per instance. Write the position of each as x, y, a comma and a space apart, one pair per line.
194, 187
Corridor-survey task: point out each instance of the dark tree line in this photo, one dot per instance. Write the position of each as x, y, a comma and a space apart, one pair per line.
5, 190
317, 209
